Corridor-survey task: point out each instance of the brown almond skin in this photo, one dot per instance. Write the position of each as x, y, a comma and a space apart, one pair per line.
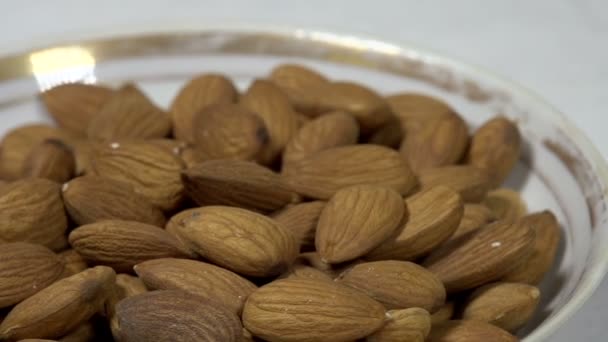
506, 305
52, 159
271, 104
302, 85
487, 255
73, 262
237, 183
396, 284
441, 142
191, 156
464, 331
31, 210
415, 111
125, 286
301, 219
305, 272
495, 149
74, 105
355, 220
548, 235
237, 239
61, 307
327, 131
313, 259
412, 325
84, 333
296, 310
128, 113
434, 215
474, 217
123, 244
444, 313
202, 279
506, 204
151, 170
26, 269
324, 173
198, 93
467, 181
391, 134
90, 199
175, 316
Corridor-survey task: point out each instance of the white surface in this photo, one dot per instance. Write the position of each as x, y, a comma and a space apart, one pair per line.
557, 48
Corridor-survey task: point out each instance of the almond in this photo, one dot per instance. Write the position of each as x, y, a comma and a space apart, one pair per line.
202, 279
465, 331
356, 220
91, 198
273, 106
303, 86
84, 333
468, 181
474, 217
313, 260
151, 171
445, 313
546, 243
61, 307
83, 151
327, 131
229, 131
495, 149
128, 113
24, 270
412, 325
506, 204
237, 183
434, 215
322, 174
297, 310
191, 156
74, 105
415, 111
51, 159
31, 210
396, 284
440, 142
172, 146
302, 119
200, 92
506, 305
126, 286
237, 239
73, 262
487, 255
301, 219
168, 316
390, 134
123, 244
306, 272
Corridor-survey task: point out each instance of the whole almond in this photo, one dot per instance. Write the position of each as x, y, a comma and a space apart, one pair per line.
150, 170
356, 220
415, 111
31, 210
202, 279
191, 156
83, 151
306, 272
444, 313
474, 217
123, 244
313, 259
74, 105
272, 105
128, 113
548, 236
51, 159
327, 131
324, 173
91, 198
495, 149
440, 142
487, 255
237, 239
434, 215
506, 305
198, 93
26, 269
301, 219
173, 146
126, 286
297, 310
61, 307
303, 86
412, 325
17, 144
506, 204
468, 181
84, 333
396, 284
169, 316
237, 183
465, 331
73, 262
390, 134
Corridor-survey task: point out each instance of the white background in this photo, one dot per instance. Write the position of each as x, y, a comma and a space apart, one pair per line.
558, 48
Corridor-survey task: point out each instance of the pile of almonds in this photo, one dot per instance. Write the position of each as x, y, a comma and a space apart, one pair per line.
303, 209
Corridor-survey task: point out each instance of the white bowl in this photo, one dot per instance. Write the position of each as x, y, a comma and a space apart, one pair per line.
559, 170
